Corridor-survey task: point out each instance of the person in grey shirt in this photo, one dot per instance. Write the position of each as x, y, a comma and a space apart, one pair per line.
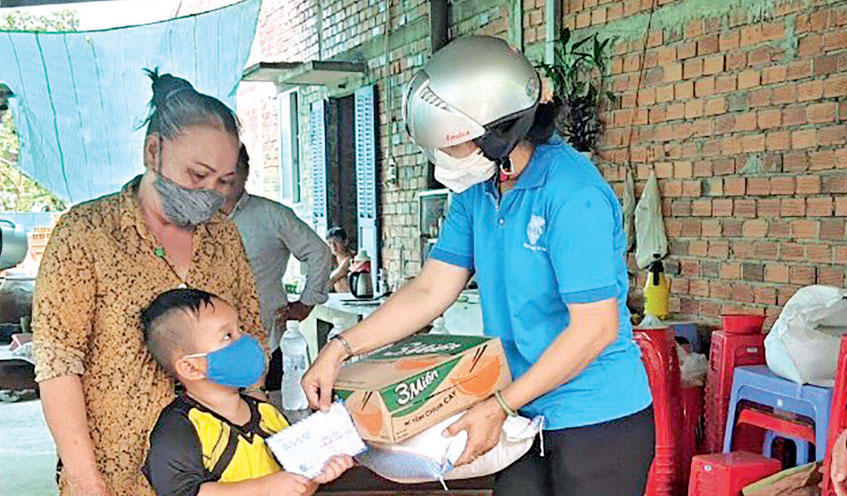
271, 233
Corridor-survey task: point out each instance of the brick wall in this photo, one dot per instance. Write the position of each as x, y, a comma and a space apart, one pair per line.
741, 116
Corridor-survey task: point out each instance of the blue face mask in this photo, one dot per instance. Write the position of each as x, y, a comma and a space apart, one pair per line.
239, 364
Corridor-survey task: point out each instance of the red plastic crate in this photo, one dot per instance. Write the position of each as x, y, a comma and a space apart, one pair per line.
837, 416
727, 352
658, 352
727, 474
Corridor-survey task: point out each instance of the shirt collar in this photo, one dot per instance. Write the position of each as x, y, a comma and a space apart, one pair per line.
239, 204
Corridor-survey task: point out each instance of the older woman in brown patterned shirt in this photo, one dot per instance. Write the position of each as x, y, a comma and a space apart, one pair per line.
109, 258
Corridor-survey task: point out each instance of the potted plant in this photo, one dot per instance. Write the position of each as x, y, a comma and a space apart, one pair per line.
580, 78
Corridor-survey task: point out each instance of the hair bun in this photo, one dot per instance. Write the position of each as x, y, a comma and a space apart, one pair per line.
165, 85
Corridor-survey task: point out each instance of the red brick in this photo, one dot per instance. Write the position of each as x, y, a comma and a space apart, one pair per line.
701, 208
699, 287
819, 206
598, 16
715, 106
809, 45
821, 161
812, 90
806, 138
832, 229
758, 186
723, 166
693, 68
672, 72
821, 112
713, 64
744, 208
719, 289
745, 121
784, 293
664, 93
693, 109
834, 184
832, 135
792, 207
683, 169
808, 185
690, 228
731, 270
769, 118
826, 65
686, 51
732, 228
795, 162
718, 249
780, 140
782, 186
666, 54
710, 229
691, 188
775, 74
751, 35
800, 274
835, 39
764, 295
675, 111
694, 28
583, 19
766, 250
760, 97
742, 293
784, 94
749, 79
819, 252
841, 206
729, 41
704, 87
735, 61
792, 251
835, 87
773, 30
804, 229
753, 143
726, 83
776, 272
698, 248
799, 70
767, 208
734, 186
723, 208
755, 229
831, 276
794, 115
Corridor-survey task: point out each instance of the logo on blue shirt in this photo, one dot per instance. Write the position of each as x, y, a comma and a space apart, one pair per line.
534, 230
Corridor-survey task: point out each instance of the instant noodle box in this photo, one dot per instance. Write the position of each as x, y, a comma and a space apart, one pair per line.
413, 384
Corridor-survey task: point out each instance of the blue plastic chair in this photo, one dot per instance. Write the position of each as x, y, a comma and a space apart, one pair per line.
803, 448
757, 384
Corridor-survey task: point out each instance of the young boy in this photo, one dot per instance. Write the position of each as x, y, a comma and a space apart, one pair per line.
211, 439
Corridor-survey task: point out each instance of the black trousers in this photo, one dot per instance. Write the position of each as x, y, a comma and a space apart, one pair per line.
608, 459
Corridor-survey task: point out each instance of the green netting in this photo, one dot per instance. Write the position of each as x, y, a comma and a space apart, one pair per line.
80, 96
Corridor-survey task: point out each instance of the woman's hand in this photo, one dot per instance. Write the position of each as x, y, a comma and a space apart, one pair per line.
838, 468
333, 469
86, 485
318, 381
483, 423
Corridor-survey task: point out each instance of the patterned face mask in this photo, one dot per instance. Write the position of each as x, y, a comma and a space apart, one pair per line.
185, 207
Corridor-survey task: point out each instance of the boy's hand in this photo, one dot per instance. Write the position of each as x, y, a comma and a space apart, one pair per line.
288, 484
333, 469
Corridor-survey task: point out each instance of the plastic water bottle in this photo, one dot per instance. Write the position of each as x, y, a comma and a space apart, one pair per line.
295, 361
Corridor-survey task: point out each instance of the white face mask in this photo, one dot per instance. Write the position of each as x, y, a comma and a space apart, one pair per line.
459, 174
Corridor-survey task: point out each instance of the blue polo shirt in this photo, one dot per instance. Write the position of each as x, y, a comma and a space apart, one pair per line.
555, 239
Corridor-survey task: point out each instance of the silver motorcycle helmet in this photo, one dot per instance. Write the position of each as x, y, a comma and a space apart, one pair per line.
476, 88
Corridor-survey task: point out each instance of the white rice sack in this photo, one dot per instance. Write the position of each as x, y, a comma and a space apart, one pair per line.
429, 456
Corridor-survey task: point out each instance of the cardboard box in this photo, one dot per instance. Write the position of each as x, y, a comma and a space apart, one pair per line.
413, 384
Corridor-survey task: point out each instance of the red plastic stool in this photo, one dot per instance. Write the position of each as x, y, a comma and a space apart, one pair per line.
658, 351
727, 474
837, 416
727, 352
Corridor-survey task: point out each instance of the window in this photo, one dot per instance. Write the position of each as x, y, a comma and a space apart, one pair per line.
289, 180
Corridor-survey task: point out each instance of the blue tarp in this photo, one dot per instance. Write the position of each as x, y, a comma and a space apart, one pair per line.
79, 97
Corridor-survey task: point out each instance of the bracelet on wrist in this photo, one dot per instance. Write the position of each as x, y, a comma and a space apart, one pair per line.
346, 344
500, 401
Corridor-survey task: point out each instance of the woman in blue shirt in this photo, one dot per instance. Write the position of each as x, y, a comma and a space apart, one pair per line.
541, 230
